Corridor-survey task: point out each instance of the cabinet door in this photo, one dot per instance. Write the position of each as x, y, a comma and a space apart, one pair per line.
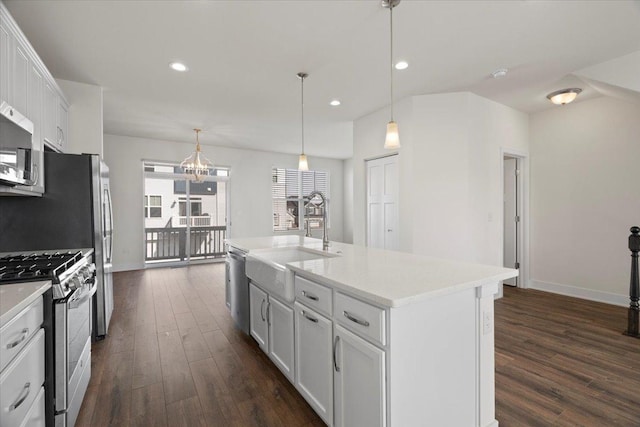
19, 78
359, 381
314, 363
63, 124
34, 110
280, 321
50, 112
258, 321
5, 41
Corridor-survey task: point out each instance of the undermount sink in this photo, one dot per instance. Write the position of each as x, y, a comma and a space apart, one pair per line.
268, 267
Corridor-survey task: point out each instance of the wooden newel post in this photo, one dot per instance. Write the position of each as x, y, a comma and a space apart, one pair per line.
633, 327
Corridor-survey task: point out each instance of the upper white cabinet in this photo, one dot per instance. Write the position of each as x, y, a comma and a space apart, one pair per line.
27, 85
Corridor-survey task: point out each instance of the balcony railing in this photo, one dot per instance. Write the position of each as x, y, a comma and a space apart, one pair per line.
196, 221
171, 243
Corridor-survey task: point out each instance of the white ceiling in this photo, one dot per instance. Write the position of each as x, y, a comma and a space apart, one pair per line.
244, 55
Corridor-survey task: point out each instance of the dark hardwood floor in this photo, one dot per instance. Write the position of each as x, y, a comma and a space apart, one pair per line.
173, 358
563, 361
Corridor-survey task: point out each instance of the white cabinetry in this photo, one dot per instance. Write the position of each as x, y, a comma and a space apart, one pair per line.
314, 363
27, 86
359, 387
271, 324
258, 304
22, 368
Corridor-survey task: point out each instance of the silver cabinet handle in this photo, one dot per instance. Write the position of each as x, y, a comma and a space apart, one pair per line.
311, 318
335, 349
27, 388
389, 230
355, 319
23, 337
268, 311
262, 310
310, 295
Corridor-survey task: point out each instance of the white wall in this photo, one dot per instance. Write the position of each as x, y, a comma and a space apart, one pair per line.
249, 189
347, 168
85, 117
585, 195
450, 172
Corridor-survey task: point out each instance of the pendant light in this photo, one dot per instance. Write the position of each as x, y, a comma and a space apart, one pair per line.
392, 140
303, 165
196, 165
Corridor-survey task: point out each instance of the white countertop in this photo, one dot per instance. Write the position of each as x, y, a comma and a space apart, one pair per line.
17, 296
387, 278
252, 243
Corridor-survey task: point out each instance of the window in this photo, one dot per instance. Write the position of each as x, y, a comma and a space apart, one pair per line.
289, 186
153, 206
196, 206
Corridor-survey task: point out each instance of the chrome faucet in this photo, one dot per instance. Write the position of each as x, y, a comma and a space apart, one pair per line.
325, 237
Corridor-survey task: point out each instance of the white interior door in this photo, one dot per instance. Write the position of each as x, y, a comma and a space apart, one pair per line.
382, 203
511, 216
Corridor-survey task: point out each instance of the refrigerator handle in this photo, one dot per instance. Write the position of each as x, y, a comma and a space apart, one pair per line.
110, 229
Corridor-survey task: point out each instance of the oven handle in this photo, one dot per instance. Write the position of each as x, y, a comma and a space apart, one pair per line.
78, 302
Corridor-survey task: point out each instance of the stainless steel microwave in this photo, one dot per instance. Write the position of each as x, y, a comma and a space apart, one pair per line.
17, 165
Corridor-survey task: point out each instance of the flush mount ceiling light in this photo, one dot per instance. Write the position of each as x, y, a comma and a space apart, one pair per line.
392, 140
499, 73
335, 103
196, 165
303, 165
564, 96
402, 65
178, 66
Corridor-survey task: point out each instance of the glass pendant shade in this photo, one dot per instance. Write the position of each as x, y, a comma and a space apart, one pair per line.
303, 165
392, 140
196, 165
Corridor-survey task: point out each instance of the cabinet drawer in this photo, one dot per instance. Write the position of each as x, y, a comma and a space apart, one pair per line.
36, 415
21, 381
313, 295
16, 334
361, 317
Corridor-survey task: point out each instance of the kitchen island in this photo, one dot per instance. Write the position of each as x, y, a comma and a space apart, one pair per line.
372, 337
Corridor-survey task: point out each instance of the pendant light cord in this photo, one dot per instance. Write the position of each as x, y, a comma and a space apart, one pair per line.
302, 109
391, 56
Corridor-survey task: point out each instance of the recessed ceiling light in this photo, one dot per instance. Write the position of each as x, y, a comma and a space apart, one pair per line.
497, 74
178, 66
335, 103
402, 65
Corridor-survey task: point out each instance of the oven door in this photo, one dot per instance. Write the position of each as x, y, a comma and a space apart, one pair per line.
72, 351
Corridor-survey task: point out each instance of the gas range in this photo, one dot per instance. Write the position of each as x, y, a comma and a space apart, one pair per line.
67, 269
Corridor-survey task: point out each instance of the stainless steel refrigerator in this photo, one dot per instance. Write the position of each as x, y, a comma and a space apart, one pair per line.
74, 212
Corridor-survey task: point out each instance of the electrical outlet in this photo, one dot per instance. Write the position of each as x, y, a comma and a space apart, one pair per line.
487, 322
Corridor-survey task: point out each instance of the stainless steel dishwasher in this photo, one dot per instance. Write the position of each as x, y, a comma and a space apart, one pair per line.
237, 288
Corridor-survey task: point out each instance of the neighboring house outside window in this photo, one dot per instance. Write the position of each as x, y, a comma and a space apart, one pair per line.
152, 206
289, 187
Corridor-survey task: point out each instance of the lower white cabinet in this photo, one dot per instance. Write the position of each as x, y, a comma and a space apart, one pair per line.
314, 360
359, 381
258, 326
280, 321
271, 324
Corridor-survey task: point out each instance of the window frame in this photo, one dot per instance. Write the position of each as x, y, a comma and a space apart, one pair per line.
148, 206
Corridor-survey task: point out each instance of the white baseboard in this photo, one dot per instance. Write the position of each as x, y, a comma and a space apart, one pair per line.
127, 266
574, 291
493, 423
